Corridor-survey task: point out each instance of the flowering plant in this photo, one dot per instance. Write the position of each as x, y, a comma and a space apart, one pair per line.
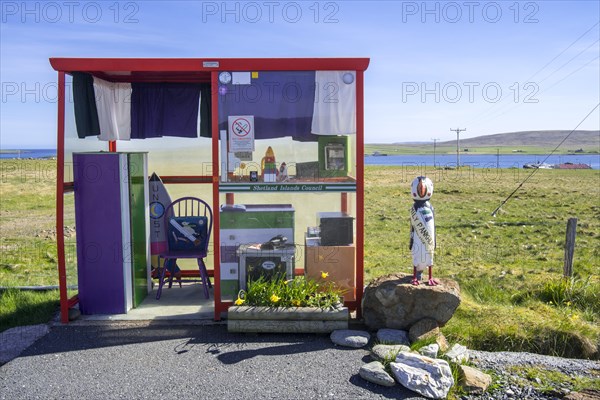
297, 292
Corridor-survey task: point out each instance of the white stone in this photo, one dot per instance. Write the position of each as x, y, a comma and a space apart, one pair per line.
430, 351
382, 352
458, 354
427, 376
393, 336
376, 373
350, 338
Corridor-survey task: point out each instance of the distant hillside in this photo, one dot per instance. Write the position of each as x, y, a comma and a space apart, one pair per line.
578, 139
531, 142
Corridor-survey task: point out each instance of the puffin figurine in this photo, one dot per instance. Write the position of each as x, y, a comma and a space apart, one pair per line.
422, 229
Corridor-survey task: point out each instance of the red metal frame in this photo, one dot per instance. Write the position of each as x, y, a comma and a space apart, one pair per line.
197, 70
360, 190
113, 67
216, 215
60, 200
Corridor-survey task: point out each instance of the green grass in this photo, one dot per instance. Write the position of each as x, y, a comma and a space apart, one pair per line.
416, 345
27, 222
28, 241
505, 264
27, 308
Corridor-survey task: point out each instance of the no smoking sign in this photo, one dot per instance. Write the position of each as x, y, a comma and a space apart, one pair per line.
241, 133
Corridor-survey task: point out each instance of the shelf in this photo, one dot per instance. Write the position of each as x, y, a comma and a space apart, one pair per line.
305, 187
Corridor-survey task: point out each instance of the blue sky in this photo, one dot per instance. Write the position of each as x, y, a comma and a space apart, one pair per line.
486, 66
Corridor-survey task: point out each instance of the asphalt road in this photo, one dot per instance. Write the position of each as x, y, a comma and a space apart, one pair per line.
171, 361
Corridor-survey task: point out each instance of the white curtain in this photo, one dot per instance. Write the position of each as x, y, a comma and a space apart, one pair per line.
335, 103
113, 101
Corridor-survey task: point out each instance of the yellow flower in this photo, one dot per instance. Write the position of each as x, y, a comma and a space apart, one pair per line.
275, 298
324, 275
241, 298
297, 303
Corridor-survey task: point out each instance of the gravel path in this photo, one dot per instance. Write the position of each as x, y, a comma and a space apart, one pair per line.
499, 362
138, 360
167, 361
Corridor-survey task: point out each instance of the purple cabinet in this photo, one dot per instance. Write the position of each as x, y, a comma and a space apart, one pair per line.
103, 220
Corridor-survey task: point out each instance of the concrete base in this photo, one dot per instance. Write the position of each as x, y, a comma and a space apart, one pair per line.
286, 320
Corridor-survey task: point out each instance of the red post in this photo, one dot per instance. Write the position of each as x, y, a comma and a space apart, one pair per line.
344, 200
215, 183
60, 177
360, 190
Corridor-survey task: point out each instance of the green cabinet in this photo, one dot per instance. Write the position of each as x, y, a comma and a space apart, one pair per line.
246, 225
138, 200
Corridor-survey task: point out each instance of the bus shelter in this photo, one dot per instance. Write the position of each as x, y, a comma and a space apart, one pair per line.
275, 146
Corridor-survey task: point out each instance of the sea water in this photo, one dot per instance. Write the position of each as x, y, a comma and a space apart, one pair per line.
482, 160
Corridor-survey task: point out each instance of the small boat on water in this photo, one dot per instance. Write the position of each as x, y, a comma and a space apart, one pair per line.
566, 165
538, 166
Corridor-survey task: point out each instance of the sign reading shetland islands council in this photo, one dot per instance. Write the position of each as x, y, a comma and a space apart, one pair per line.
288, 187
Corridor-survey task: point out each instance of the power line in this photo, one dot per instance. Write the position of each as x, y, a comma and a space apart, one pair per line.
501, 113
562, 52
568, 62
533, 171
492, 109
567, 76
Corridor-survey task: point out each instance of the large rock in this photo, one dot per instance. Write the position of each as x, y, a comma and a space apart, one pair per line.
375, 372
473, 380
391, 301
427, 376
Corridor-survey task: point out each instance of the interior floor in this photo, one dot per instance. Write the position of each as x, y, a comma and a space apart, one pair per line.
178, 303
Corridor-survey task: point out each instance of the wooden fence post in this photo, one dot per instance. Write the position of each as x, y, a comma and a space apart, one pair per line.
570, 247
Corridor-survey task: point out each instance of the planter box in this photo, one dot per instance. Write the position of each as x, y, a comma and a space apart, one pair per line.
286, 320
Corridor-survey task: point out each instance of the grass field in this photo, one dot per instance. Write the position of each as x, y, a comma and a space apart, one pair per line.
509, 267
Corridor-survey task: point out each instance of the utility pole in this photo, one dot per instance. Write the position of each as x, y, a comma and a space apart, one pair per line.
497, 158
434, 140
458, 131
